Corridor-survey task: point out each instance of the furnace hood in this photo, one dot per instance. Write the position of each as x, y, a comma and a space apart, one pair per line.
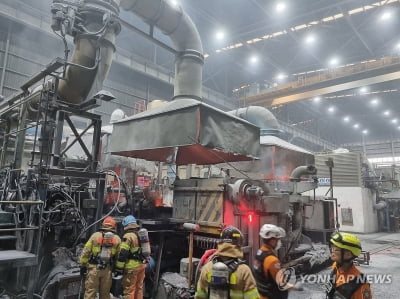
186, 131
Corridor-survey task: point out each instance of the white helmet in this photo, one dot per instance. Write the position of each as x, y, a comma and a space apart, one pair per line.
269, 231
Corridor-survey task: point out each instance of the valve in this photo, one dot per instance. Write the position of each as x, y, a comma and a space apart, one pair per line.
63, 18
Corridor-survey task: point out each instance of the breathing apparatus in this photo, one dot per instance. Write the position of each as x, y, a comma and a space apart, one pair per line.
107, 243
219, 284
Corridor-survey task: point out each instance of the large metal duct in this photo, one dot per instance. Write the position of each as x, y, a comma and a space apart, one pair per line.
183, 131
93, 50
259, 116
172, 21
300, 171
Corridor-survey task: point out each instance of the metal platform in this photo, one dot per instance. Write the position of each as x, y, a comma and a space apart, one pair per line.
16, 258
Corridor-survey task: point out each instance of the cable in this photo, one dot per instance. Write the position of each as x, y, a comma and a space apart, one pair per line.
109, 213
219, 157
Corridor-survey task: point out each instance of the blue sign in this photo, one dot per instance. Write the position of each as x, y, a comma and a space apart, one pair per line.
324, 181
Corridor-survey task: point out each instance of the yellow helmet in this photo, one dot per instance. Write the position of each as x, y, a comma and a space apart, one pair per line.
347, 241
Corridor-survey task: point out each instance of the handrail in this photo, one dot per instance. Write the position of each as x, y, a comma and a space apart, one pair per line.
308, 78
19, 229
28, 202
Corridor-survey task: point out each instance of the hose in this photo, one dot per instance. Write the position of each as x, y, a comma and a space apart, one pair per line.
109, 213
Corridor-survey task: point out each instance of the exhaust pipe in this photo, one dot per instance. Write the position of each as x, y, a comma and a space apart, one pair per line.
172, 21
261, 117
94, 47
95, 44
300, 171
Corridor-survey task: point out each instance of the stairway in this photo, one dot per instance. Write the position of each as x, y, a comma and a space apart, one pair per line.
12, 259
7, 236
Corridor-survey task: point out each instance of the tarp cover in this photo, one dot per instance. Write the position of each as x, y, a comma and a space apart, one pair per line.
186, 131
277, 159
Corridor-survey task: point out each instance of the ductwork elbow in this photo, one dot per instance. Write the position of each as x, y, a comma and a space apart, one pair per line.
260, 117
300, 171
172, 21
93, 52
380, 205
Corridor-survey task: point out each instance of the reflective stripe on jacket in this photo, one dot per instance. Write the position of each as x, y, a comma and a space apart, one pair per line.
242, 282
92, 247
126, 256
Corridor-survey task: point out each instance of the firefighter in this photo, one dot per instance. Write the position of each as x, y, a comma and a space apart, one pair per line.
227, 276
346, 280
97, 258
130, 261
267, 266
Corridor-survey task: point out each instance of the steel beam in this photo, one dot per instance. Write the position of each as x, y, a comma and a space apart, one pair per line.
3, 72
294, 93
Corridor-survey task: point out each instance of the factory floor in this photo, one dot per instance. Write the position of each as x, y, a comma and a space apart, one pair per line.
384, 264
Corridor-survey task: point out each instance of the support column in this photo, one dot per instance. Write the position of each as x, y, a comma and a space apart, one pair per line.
3, 72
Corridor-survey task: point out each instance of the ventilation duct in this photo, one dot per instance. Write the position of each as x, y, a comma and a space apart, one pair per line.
261, 117
183, 131
173, 22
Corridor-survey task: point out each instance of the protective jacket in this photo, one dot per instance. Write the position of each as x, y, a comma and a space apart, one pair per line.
242, 283
350, 284
266, 267
93, 247
129, 256
98, 256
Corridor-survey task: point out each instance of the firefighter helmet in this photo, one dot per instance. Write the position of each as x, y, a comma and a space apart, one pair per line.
129, 220
232, 235
269, 231
347, 241
108, 223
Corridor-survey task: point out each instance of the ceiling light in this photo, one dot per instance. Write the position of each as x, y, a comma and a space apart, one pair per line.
310, 39
334, 61
394, 120
280, 6
281, 76
386, 113
386, 16
374, 102
398, 127
174, 2
365, 132
356, 126
220, 35
363, 89
346, 119
253, 59
331, 109
316, 99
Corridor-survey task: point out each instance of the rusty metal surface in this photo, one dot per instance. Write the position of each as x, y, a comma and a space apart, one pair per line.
199, 200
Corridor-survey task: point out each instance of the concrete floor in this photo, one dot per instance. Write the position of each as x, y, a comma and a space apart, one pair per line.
385, 259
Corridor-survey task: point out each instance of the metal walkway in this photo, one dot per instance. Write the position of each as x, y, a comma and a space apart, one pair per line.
343, 78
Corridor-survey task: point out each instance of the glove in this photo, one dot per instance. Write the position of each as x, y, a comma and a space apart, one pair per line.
299, 286
83, 271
